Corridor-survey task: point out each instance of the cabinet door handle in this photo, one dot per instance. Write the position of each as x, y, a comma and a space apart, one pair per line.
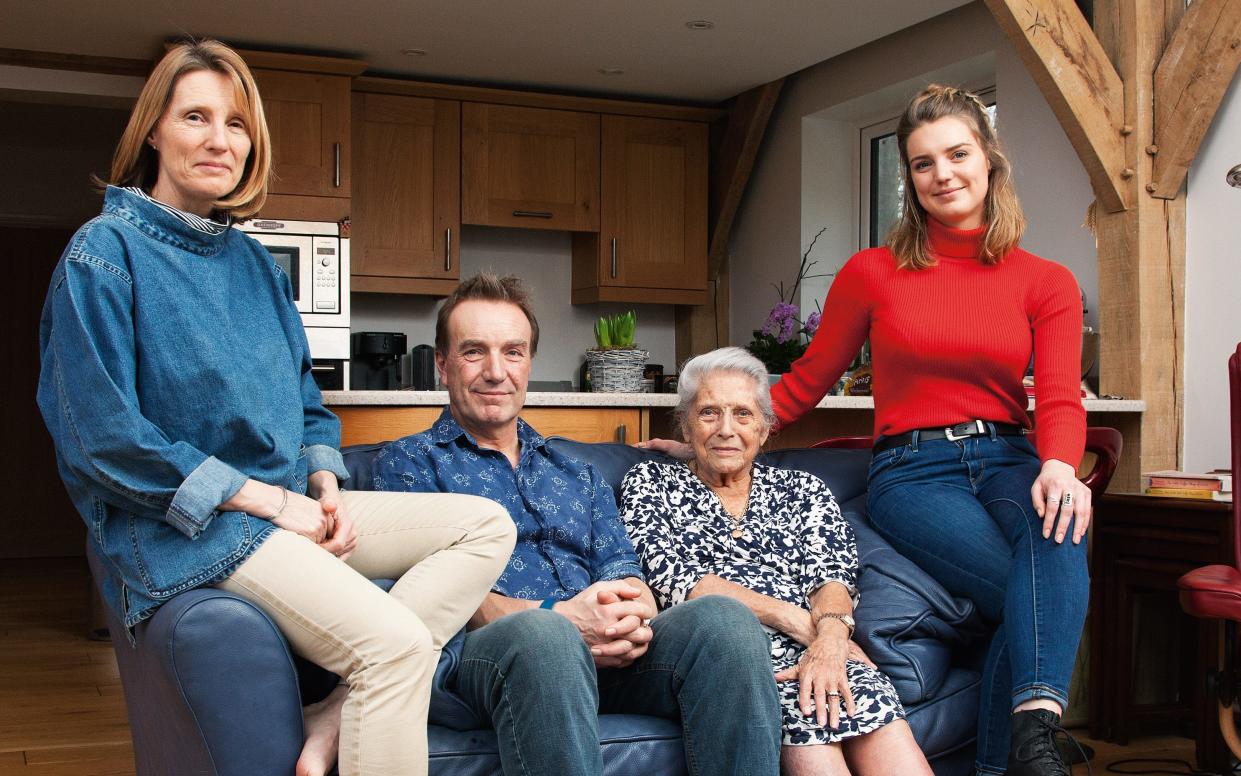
336, 171
448, 249
620, 433
532, 214
613, 257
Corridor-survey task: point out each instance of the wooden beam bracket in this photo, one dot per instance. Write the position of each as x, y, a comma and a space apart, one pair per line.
1190, 82
1080, 84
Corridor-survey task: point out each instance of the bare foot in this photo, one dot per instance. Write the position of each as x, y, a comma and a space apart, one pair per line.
322, 723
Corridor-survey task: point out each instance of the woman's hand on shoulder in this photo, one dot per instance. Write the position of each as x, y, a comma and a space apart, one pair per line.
1057, 493
679, 450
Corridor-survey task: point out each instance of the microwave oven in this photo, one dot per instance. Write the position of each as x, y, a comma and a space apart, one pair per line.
316, 258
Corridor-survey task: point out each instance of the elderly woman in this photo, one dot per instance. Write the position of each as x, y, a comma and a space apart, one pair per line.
774, 540
176, 384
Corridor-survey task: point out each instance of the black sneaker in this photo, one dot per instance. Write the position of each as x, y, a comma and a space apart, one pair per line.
1033, 751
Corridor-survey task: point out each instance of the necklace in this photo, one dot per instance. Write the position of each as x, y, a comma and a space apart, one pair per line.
738, 531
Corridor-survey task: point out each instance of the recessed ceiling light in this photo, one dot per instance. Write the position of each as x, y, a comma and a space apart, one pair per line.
414, 52
700, 24
611, 71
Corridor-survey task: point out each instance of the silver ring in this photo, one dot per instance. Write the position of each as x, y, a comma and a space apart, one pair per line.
833, 694
1068, 499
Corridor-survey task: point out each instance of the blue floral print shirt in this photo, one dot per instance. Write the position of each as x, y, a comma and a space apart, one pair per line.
569, 534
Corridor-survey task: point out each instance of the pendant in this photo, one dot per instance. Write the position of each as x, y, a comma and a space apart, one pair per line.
738, 533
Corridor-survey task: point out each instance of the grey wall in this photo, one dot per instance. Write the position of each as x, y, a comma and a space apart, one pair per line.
542, 260
1212, 287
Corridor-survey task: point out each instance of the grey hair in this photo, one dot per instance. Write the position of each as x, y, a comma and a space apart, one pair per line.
730, 359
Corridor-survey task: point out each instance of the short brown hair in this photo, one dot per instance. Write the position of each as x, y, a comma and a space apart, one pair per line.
1001, 212
136, 163
486, 287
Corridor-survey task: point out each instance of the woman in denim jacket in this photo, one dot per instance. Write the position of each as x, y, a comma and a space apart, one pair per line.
176, 384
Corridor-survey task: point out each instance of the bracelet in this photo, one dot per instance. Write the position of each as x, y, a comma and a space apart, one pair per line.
548, 603
847, 619
284, 501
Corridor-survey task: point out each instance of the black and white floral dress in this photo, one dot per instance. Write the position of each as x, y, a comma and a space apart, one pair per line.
794, 542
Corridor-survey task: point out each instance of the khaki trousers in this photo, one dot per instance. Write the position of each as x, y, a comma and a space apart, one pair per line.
445, 551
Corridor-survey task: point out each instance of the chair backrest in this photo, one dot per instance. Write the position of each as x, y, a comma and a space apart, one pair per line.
1234, 411
1105, 443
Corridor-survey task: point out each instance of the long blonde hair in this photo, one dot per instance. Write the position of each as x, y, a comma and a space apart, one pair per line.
1002, 211
136, 163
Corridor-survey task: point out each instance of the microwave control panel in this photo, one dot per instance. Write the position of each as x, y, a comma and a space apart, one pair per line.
325, 293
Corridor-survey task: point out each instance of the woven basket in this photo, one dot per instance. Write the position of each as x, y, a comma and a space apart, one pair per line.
616, 371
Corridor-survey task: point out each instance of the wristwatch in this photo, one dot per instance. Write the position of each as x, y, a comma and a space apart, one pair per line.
847, 619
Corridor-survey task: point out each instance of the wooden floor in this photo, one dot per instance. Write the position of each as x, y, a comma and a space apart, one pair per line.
61, 708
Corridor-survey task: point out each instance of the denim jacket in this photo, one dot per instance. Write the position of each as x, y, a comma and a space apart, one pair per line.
174, 367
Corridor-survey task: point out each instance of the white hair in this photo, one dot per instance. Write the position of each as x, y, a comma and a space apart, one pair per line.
730, 359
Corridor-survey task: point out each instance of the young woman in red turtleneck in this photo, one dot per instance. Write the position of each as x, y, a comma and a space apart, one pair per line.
954, 310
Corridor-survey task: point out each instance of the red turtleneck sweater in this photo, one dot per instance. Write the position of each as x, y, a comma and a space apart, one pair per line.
951, 343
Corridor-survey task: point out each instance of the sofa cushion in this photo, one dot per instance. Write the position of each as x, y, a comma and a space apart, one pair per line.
631, 744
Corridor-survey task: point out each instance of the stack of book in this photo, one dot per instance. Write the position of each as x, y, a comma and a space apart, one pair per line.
1212, 486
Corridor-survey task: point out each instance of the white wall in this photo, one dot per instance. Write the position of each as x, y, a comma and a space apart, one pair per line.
542, 259
1212, 287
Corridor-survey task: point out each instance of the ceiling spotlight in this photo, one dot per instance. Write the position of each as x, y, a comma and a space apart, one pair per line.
700, 24
414, 52
611, 71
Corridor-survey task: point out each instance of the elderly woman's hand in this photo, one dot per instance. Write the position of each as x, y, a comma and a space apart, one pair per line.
821, 677
1058, 492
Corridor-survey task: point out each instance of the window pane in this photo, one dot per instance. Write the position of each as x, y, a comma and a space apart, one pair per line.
887, 187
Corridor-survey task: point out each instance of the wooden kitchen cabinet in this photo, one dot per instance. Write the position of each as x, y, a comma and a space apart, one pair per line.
306, 102
406, 194
529, 167
652, 244
368, 425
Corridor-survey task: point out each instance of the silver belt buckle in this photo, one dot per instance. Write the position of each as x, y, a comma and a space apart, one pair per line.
980, 429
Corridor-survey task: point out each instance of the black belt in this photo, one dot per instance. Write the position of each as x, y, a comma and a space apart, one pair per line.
970, 428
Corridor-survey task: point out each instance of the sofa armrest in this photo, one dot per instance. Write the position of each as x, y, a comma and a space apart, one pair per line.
906, 622
211, 688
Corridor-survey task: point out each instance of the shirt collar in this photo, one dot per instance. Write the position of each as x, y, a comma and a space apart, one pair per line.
155, 220
447, 430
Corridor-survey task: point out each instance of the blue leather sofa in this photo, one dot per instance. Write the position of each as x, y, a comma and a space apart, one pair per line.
211, 687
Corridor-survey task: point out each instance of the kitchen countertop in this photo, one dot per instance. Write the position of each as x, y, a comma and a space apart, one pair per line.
557, 399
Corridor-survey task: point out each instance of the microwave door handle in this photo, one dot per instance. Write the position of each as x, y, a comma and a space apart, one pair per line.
317, 368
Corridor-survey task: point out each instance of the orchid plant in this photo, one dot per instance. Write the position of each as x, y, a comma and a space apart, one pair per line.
785, 336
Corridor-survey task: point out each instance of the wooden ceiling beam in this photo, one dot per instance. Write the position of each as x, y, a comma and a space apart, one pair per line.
730, 172
1190, 82
1080, 84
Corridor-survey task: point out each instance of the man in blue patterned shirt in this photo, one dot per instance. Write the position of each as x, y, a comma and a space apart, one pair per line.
570, 628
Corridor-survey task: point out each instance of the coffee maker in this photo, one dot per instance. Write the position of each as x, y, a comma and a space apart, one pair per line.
376, 361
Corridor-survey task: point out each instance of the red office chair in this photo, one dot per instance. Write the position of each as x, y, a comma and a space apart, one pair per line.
1105, 443
1214, 592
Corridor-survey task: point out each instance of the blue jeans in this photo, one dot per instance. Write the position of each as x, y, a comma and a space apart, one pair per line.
962, 511
708, 666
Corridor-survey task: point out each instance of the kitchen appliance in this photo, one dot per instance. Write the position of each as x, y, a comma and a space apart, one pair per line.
316, 258
376, 361
419, 370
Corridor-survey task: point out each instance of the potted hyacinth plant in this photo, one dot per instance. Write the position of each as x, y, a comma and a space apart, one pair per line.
616, 363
